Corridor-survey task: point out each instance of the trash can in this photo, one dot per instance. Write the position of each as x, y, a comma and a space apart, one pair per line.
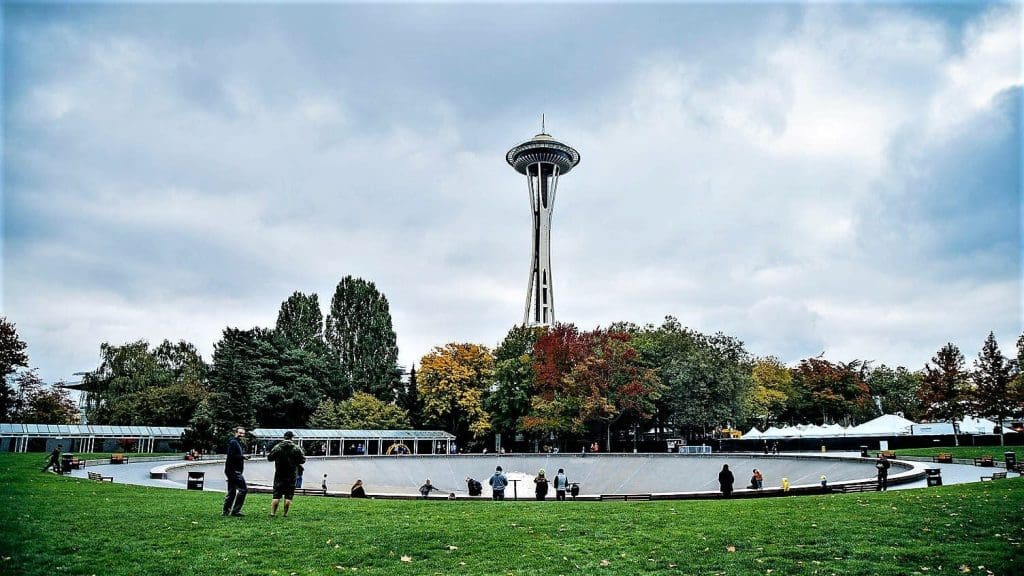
574, 490
195, 480
863, 451
1011, 460
933, 476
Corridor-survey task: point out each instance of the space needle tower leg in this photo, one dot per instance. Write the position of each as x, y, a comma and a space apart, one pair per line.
542, 160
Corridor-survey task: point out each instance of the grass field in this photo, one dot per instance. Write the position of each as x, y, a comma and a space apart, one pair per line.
58, 525
967, 452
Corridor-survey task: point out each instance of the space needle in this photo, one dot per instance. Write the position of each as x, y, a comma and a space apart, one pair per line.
542, 160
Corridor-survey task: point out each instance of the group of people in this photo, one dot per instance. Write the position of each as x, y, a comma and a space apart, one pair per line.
288, 459
726, 480
499, 482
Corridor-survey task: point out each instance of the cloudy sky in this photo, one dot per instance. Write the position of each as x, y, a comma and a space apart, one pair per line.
820, 177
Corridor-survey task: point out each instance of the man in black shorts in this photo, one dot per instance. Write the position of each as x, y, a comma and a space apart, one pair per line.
287, 457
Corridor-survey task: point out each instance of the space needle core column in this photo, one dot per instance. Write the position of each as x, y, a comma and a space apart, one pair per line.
542, 160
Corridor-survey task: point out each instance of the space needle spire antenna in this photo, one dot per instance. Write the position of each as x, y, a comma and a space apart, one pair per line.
542, 160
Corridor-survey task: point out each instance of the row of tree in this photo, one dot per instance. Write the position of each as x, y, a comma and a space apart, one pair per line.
544, 383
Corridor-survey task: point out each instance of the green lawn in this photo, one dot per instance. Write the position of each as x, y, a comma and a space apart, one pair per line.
58, 525
963, 451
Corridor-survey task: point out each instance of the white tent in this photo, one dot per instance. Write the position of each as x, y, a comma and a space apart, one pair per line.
833, 431
972, 425
753, 434
790, 432
771, 433
884, 425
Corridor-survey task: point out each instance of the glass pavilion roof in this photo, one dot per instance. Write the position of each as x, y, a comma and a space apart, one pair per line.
52, 430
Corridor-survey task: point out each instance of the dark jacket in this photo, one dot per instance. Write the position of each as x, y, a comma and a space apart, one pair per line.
287, 457
725, 480
541, 485
236, 457
358, 492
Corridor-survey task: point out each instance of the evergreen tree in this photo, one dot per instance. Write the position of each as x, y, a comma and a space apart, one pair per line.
944, 387
360, 336
409, 399
202, 432
992, 376
12, 357
243, 361
300, 323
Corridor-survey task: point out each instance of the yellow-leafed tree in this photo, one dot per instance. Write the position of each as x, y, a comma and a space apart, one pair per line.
452, 381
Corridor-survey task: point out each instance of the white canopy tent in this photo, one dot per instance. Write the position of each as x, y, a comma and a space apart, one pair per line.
884, 425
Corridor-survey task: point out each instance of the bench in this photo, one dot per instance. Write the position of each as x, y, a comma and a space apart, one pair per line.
118, 458
623, 497
943, 458
887, 453
994, 476
857, 487
99, 477
984, 461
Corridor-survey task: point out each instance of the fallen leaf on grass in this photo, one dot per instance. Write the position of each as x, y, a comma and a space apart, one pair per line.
452, 547
406, 558
965, 569
730, 548
605, 563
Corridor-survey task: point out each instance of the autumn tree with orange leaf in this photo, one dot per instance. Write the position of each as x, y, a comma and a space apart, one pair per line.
587, 378
452, 381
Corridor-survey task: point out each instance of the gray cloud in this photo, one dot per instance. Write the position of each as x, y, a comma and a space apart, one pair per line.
803, 178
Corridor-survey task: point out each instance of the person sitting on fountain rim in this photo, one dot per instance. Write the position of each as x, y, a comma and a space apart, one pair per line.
357, 490
756, 480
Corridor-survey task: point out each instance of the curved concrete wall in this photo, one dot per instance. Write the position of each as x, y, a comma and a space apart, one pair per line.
660, 474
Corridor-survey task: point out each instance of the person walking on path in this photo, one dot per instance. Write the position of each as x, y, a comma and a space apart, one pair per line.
287, 459
540, 485
426, 489
498, 483
233, 468
725, 480
54, 461
882, 465
561, 484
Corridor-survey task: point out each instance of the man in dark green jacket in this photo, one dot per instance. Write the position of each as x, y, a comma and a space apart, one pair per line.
287, 457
